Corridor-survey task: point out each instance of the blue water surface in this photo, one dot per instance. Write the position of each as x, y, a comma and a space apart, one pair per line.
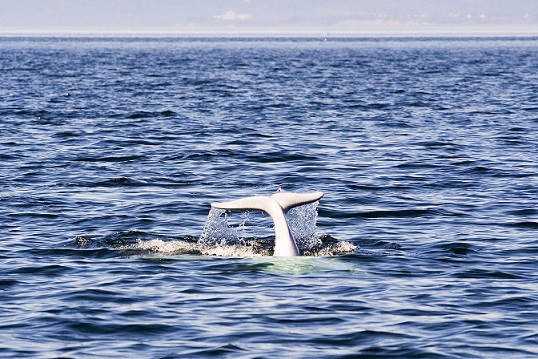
112, 149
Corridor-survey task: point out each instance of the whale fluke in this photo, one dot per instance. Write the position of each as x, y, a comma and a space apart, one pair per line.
276, 207
288, 200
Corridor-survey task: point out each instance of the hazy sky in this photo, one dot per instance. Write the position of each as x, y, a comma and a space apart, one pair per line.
317, 17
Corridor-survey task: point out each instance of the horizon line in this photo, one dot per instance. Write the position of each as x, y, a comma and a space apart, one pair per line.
283, 32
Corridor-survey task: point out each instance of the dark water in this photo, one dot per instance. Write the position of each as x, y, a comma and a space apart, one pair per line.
426, 150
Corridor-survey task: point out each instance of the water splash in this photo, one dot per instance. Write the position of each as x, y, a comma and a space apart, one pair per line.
302, 223
223, 228
218, 231
148, 244
229, 234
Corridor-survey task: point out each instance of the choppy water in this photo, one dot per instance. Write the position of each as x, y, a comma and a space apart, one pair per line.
112, 149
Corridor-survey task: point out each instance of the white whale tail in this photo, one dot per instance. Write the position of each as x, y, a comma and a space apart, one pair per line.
276, 207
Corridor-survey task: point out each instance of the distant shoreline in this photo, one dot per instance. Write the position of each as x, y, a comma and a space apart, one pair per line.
291, 33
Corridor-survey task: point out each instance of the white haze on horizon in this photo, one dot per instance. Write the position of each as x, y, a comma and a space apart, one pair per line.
266, 17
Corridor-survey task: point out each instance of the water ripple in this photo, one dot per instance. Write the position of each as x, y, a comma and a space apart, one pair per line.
112, 150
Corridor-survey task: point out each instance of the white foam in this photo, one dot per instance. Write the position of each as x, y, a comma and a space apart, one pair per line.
233, 251
158, 246
165, 247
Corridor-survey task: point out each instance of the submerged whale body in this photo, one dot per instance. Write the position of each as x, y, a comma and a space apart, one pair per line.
276, 206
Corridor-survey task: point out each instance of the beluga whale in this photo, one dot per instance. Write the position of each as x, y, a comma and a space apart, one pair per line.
276, 206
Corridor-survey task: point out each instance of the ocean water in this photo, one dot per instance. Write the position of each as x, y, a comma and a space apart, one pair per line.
111, 151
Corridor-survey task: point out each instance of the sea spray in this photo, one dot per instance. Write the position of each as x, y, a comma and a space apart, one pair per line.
302, 223
224, 228
217, 230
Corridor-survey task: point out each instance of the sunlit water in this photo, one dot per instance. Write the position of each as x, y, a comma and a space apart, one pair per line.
426, 239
